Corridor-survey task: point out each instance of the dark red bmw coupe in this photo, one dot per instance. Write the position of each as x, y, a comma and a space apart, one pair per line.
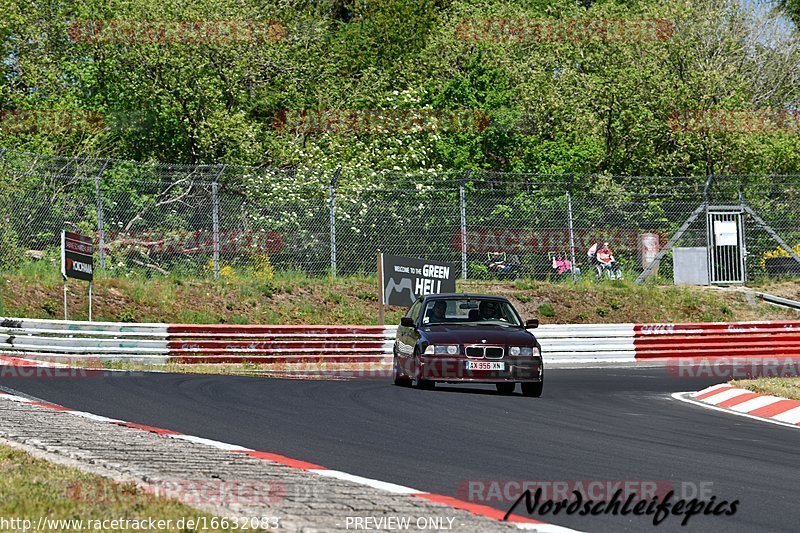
471, 338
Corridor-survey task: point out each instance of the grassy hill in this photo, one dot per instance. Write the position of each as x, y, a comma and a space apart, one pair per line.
35, 291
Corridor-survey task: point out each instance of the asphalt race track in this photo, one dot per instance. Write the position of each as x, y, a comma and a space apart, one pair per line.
590, 424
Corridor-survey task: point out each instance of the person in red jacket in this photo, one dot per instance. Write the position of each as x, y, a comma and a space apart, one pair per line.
605, 261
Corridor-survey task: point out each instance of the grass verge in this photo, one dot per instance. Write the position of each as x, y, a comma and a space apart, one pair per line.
34, 488
245, 368
783, 387
34, 291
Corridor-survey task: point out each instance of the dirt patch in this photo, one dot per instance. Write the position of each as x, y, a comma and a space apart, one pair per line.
784, 289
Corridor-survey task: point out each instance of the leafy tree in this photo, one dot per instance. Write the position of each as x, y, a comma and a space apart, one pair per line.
562, 105
792, 9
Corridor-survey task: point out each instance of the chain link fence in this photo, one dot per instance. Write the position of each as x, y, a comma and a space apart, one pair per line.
204, 220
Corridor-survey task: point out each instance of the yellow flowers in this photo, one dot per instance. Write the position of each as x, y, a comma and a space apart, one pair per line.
225, 272
262, 267
777, 252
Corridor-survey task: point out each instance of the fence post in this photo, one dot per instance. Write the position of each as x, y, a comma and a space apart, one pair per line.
742, 203
571, 233
101, 234
215, 218
742, 187
463, 210
332, 197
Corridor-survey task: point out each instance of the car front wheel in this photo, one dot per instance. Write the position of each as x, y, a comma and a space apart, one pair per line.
398, 379
506, 388
532, 389
419, 382
425, 384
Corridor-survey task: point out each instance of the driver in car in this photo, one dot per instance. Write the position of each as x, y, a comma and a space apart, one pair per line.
439, 310
489, 310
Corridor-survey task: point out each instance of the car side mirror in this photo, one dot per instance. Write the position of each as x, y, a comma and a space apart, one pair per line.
407, 322
532, 323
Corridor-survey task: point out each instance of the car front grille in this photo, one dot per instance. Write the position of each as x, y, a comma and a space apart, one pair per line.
488, 352
474, 351
494, 352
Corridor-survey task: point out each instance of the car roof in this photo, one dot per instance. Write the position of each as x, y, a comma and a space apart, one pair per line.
464, 295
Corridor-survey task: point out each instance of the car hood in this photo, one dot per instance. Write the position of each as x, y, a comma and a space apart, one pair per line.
476, 334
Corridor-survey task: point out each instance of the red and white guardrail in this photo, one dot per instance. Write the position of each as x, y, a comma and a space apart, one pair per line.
190, 343
718, 339
369, 345
279, 344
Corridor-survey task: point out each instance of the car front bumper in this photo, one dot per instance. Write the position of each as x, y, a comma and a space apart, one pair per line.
438, 368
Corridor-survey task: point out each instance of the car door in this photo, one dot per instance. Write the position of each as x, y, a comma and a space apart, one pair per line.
407, 339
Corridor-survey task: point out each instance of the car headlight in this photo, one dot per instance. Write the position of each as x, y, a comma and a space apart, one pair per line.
524, 351
441, 349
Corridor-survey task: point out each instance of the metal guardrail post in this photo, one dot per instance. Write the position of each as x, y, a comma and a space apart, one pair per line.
332, 196
101, 234
780, 302
707, 186
571, 234
463, 213
215, 218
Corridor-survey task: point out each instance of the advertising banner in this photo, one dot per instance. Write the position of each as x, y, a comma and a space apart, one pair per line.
77, 256
406, 278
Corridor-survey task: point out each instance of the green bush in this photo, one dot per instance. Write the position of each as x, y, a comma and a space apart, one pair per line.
10, 249
126, 316
267, 289
547, 310
366, 295
334, 297
51, 307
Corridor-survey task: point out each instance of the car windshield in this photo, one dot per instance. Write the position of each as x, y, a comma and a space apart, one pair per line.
469, 311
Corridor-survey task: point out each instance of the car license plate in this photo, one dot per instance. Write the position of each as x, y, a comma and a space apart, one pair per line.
486, 365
